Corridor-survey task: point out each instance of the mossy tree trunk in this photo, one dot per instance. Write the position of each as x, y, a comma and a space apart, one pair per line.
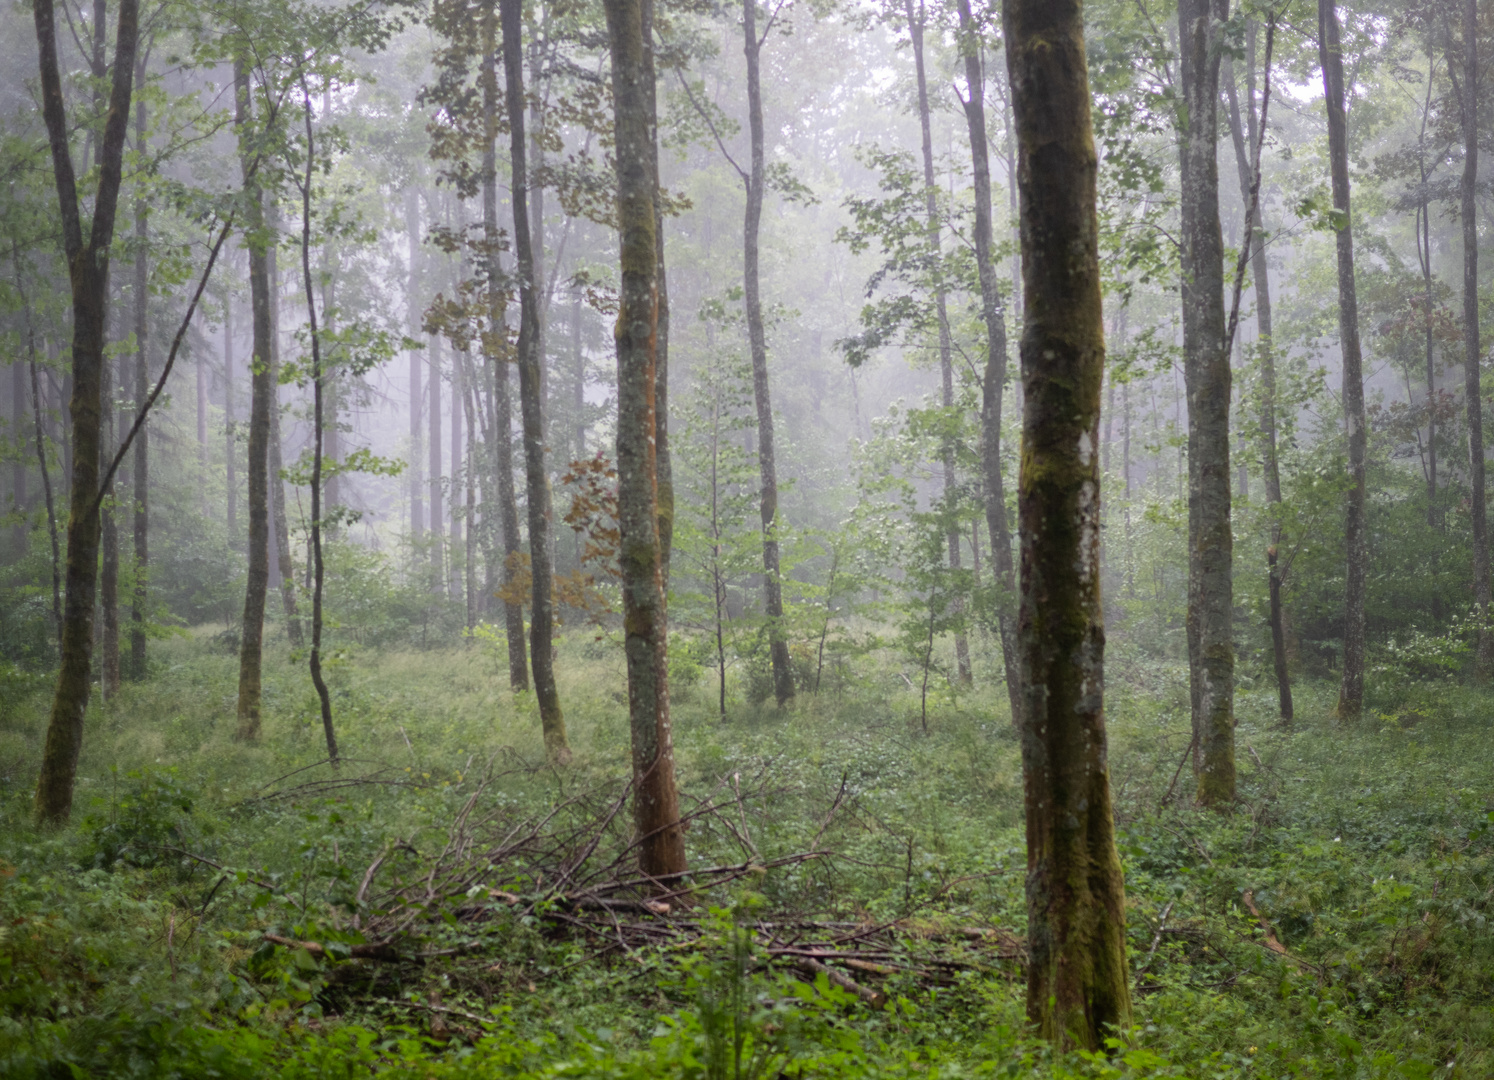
1356, 551
1077, 982
531, 405
1207, 379
261, 374
655, 797
993, 380
88, 272
138, 597
283, 554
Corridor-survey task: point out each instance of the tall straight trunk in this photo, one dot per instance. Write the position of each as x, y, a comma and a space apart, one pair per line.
109, 674
318, 428
1266, 358
438, 517
283, 556
531, 406
18, 426
231, 479
993, 381
1424, 257
412, 320
138, 597
1351, 687
578, 388
1077, 983
466, 454
1472, 392
88, 271
202, 438
783, 675
946, 347
501, 434
1206, 371
661, 839
663, 459
251, 638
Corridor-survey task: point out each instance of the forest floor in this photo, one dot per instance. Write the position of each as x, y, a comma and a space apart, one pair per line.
1333, 925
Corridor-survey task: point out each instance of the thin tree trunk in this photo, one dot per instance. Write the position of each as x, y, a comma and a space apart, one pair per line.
1472, 392
18, 425
531, 406
438, 517
661, 839
88, 268
109, 675
663, 460
251, 640
412, 320
993, 382
283, 554
231, 480
783, 676
318, 378
1265, 356
1077, 983
946, 348
39, 440
497, 356
1351, 688
1207, 379
138, 597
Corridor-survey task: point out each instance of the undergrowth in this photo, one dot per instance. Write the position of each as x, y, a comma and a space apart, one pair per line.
133, 943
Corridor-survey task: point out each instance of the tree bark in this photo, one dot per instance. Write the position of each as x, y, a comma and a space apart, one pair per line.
283, 555
531, 406
1265, 356
438, 517
783, 676
138, 597
251, 640
661, 839
1207, 378
109, 674
412, 320
1077, 982
993, 382
1351, 687
663, 460
946, 347
231, 479
88, 272
1472, 392
496, 351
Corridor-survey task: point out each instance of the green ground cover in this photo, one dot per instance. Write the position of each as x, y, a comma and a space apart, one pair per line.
1366, 851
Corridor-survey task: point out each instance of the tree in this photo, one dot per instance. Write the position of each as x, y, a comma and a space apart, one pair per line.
993, 381
88, 272
916, 21
661, 839
1077, 983
531, 351
1265, 356
1206, 375
261, 368
1351, 686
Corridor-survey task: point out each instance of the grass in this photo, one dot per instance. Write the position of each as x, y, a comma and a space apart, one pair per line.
1366, 850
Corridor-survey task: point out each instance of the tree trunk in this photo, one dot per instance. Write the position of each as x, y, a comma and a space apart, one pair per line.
438, 517
1207, 374
1351, 688
946, 348
531, 405
283, 554
783, 676
231, 479
655, 799
497, 355
993, 382
1472, 393
412, 320
1265, 355
663, 460
88, 270
318, 420
138, 597
251, 640
1077, 983
109, 564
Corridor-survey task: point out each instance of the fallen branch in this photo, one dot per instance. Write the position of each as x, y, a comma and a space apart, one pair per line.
363, 950
875, 998
1272, 942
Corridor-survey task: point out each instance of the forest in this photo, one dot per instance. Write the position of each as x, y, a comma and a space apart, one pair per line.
557, 539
